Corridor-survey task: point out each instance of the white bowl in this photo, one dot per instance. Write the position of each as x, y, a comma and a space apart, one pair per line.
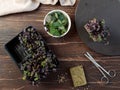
69, 22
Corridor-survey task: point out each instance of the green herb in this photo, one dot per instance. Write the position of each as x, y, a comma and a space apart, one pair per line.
57, 23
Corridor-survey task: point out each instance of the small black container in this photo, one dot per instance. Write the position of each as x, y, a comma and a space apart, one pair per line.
17, 51
32, 55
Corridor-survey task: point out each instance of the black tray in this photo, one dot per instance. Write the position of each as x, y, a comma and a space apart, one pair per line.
100, 9
16, 50
11, 47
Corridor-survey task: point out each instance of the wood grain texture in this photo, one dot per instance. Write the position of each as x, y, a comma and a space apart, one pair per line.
69, 50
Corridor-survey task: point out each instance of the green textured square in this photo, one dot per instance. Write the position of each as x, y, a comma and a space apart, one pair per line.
78, 76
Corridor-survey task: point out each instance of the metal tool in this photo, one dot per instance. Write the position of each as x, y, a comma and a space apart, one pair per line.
105, 73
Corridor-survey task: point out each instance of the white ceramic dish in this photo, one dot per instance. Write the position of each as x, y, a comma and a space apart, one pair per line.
69, 22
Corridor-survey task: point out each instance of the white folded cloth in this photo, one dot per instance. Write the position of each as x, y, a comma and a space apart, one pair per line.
62, 2
17, 6
52, 2
67, 2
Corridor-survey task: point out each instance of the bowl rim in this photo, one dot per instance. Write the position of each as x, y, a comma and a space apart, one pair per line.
63, 12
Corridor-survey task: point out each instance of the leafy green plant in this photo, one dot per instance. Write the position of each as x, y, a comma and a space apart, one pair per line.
56, 23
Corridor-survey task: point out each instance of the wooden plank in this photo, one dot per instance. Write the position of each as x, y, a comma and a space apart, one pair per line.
13, 79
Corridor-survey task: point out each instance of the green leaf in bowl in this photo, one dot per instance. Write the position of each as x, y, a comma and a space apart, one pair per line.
65, 21
57, 23
56, 15
48, 18
54, 31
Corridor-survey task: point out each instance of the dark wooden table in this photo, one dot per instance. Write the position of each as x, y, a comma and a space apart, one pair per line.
69, 50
